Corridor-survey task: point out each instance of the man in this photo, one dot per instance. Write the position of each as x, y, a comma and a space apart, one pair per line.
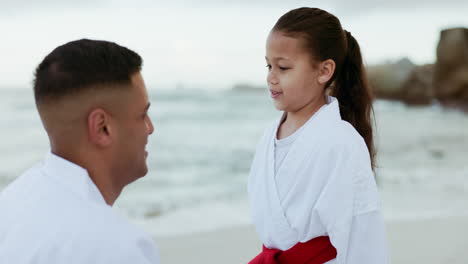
93, 104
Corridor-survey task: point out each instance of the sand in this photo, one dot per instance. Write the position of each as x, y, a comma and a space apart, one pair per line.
442, 240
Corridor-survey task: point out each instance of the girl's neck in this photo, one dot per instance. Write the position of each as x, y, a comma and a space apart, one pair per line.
294, 120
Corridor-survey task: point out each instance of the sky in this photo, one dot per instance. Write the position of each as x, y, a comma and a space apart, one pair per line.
210, 44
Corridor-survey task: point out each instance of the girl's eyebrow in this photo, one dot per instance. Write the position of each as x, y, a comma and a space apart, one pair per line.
277, 58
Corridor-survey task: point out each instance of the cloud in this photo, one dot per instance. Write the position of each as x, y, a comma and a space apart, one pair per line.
339, 7
356, 8
10, 8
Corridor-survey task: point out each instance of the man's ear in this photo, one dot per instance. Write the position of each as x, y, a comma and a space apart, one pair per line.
99, 129
326, 70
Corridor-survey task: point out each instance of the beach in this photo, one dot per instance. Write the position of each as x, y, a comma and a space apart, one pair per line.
194, 203
438, 240
210, 96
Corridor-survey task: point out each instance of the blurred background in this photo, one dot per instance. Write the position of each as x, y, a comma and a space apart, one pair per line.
205, 73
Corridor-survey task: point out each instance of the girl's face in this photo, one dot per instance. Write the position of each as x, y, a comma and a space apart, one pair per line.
293, 81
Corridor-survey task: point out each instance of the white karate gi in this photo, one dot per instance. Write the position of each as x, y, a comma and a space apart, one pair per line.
55, 214
323, 186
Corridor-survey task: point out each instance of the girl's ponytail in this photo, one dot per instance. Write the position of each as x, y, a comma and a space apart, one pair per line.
352, 90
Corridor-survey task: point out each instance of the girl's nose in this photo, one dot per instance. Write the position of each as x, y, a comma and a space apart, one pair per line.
271, 78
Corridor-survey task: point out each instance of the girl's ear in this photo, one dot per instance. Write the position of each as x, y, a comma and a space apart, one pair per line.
326, 70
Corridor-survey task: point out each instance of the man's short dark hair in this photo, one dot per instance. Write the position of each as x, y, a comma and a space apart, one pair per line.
78, 65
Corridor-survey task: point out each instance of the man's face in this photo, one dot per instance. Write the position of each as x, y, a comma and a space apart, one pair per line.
133, 128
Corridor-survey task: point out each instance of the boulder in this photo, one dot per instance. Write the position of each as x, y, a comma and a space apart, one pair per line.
387, 80
418, 87
451, 68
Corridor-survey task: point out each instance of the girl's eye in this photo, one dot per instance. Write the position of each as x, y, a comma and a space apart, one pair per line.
284, 68
268, 66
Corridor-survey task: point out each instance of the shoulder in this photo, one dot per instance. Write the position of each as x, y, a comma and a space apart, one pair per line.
347, 143
91, 220
342, 139
349, 159
24, 179
364, 186
111, 238
343, 133
21, 188
108, 222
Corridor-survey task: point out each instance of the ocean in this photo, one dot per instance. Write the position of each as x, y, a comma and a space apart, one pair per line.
204, 141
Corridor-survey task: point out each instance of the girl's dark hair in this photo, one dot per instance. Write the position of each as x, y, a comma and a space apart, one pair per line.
324, 38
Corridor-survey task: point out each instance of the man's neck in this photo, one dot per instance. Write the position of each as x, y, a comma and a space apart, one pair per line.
99, 174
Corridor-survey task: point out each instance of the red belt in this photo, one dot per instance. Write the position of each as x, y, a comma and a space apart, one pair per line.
316, 251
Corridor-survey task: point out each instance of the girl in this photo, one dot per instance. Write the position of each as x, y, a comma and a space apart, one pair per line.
311, 185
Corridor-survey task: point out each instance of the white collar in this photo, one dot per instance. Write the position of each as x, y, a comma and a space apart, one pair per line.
73, 177
330, 111
334, 107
